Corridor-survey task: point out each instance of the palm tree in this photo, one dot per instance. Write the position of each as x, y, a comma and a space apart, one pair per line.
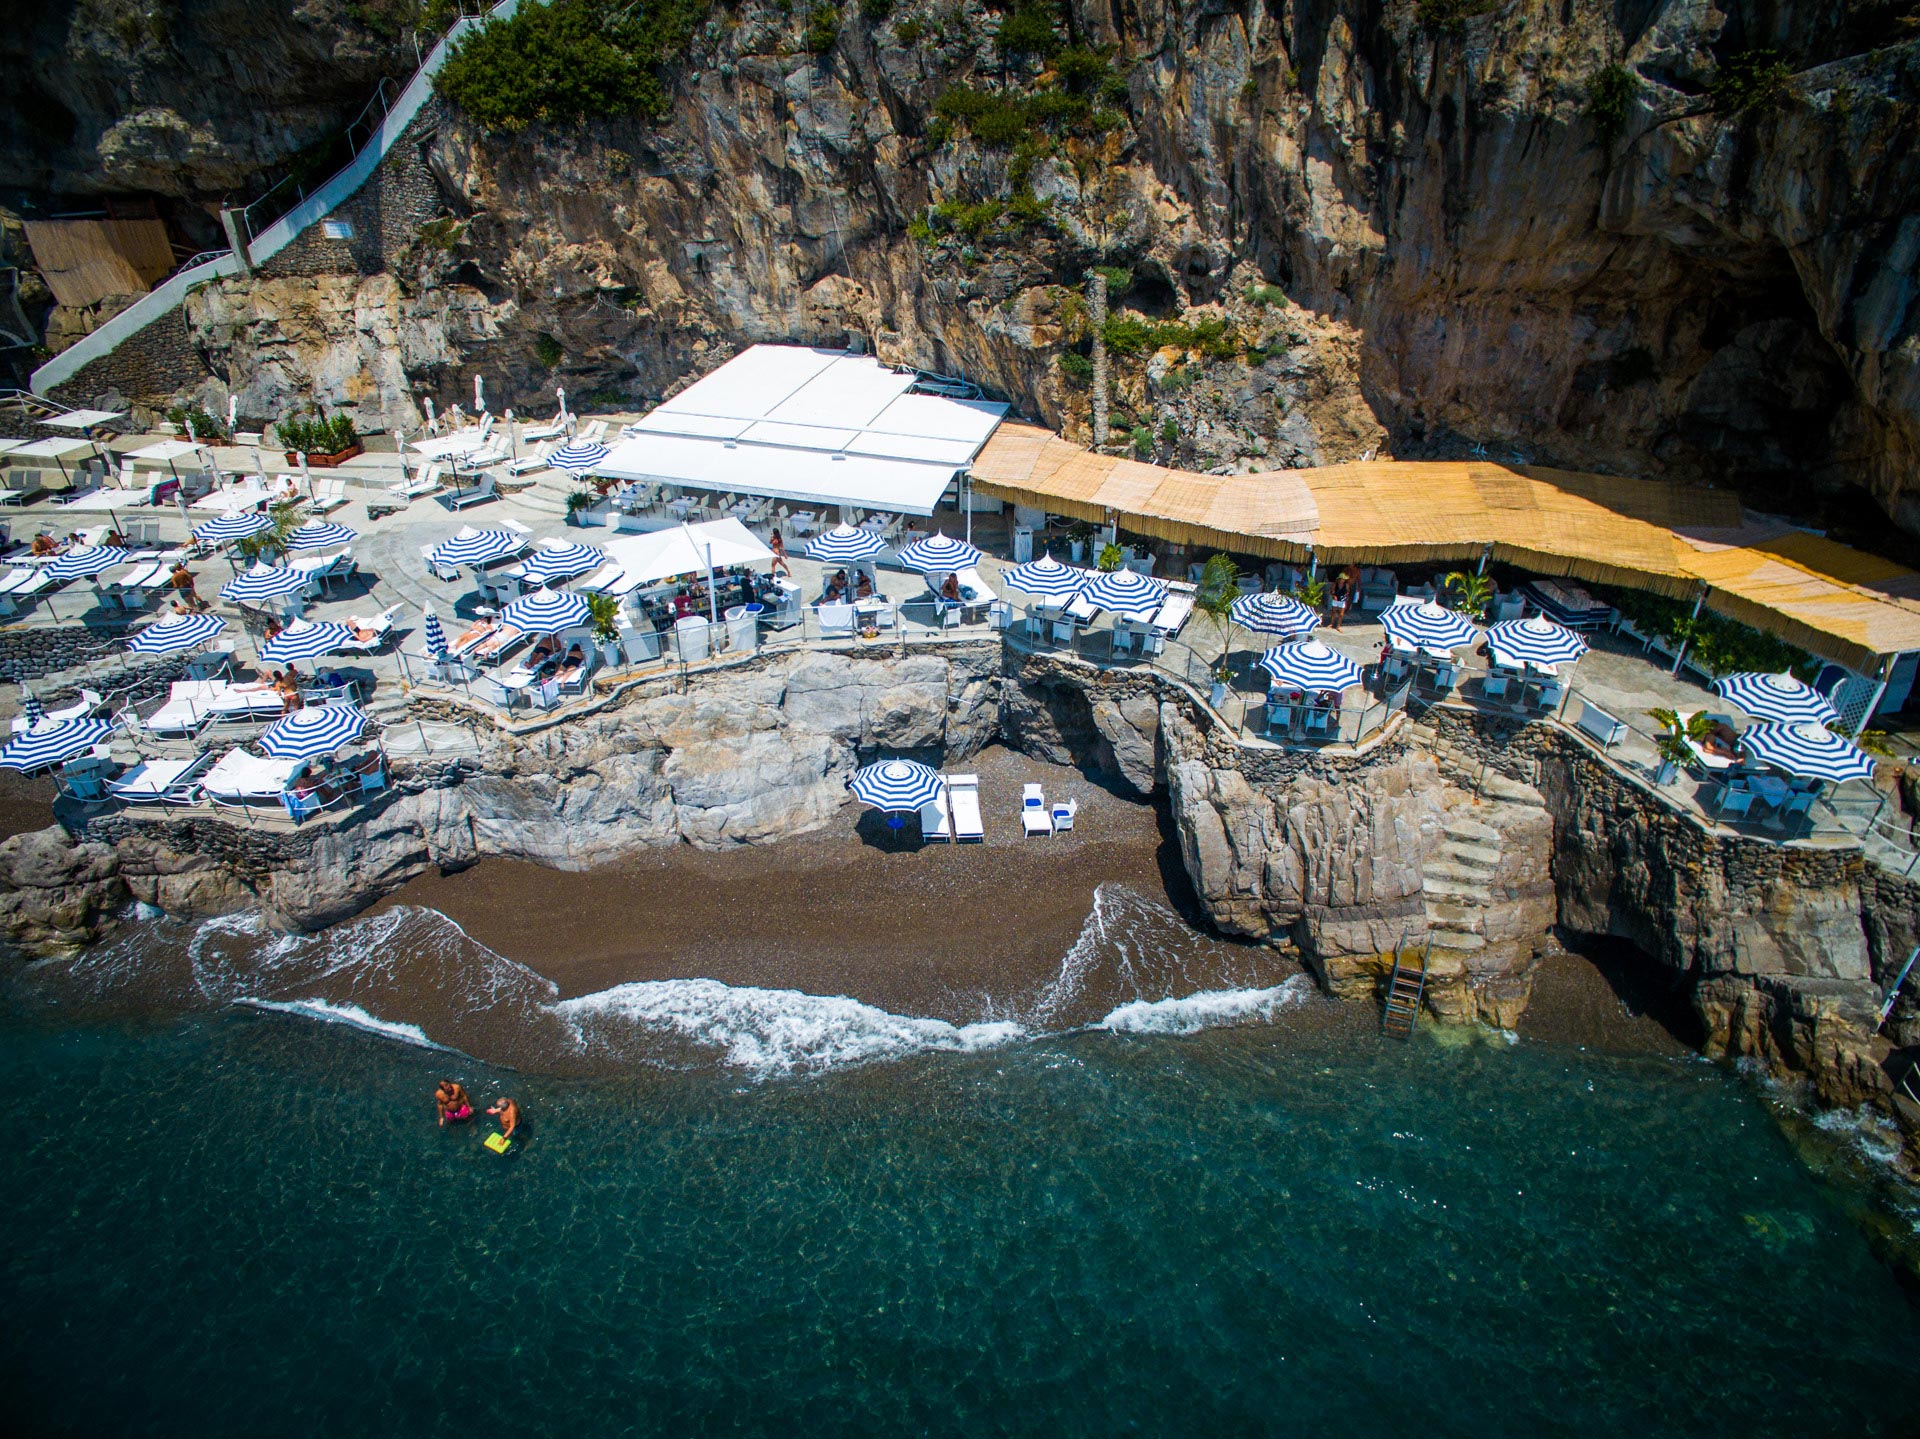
1311, 592
1219, 588
1475, 592
1111, 558
270, 544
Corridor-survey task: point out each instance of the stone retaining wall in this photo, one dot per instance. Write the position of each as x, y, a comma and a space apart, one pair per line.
28, 654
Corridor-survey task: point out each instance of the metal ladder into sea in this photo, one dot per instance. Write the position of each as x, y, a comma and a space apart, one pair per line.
1406, 987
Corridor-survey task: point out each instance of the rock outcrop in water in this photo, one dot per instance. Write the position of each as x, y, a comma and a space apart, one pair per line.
1664, 237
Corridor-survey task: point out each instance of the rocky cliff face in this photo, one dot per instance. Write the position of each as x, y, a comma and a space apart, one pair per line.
1605, 236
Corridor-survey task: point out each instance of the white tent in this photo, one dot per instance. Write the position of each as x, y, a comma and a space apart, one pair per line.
685, 550
57, 450
814, 426
83, 419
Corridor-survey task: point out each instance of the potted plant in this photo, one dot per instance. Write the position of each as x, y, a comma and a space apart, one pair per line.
1222, 677
580, 506
1111, 558
1675, 752
1077, 538
603, 613
270, 545
1219, 588
1474, 593
1312, 592
324, 439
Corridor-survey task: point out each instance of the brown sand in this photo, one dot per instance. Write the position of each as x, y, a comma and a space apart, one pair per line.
25, 804
860, 910
1605, 1000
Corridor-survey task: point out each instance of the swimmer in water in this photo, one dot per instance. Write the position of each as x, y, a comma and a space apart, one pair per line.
451, 1099
508, 1114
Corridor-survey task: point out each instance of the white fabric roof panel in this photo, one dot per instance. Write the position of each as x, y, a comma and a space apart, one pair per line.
810, 476
799, 437
676, 422
851, 392
935, 416
56, 449
752, 382
958, 453
685, 550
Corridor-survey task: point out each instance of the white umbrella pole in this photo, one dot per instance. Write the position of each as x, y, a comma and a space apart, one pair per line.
233, 415
400, 444
479, 395
306, 474
513, 448
713, 602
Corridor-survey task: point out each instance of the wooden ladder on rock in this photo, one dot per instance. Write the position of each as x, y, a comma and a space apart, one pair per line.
1406, 987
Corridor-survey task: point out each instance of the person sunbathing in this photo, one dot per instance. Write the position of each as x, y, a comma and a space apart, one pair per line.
362, 631
1721, 741
502, 636
44, 545
950, 591
475, 632
863, 588
543, 651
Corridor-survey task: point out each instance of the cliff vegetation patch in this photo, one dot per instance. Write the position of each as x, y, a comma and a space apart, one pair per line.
570, 61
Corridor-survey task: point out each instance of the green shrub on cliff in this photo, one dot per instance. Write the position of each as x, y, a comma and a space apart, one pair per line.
823, 28
1608, 95
1753, 79
569, 61
1130, 334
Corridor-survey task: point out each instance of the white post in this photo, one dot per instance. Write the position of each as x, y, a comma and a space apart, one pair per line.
966, 503
479, 395
305, 473
1698, 600
400, 445
513, 448
713, 601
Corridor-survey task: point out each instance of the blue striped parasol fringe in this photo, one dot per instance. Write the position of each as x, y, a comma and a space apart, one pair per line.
1047, 576
321, 535
89, 560
1806, 749
844, 544
1534, 641
231, 527
577, 457
39, 748
479, 548
896, 786
938, 552
305, 640
315, 730
1126, 593
264, 582
1427, 626
547, 610
1776, 697
1273, 614
177, 632
432, 636
562, 562
1310, 666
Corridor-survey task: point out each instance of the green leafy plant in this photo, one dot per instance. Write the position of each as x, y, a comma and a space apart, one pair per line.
1169, 431
1475, 592
875, 12
1214, 597
569, 61
603, 613
441, 234
547, 350
823, 28
1029, 30
205, 425
909, 31
1119, 279
1752, 79
1875, 742
1608, 95
318, 434
1142, 438
578, 500
1129, 334
1076, 367
1111, 557
1672, 742
1267, 295
1311, 592
270, 544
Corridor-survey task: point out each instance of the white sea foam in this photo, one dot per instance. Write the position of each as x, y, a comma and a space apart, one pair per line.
1207, 1010
769, 1031
351, 1015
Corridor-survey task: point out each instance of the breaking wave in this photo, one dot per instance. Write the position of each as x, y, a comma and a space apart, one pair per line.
351, 1015
1207, 1010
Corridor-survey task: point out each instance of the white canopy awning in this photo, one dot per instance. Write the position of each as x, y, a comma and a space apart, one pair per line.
84, 419
164, 450
54, 449
813, 426
685, 550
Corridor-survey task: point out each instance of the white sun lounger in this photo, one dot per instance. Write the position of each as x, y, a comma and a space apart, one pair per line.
554, 428
194, 703
963, 798
936, 825
161, 781
241, 778
381, 625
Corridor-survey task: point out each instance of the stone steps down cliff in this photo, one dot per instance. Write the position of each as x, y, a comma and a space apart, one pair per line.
1456, 888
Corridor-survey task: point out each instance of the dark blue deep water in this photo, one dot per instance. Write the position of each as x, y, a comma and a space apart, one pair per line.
247, 1223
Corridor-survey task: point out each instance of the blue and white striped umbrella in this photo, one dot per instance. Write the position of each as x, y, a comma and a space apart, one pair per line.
89, 560
1428, 627
844, 544
1776, 697
1047, 576
577, 457
31, 709
1126, 593
896, 785
562, 563
1806, 749
315, 730
231, 527
264, 582
1534, 641
547, 610
479, 548
321, 535
30, 751
432, 636
1273, 614
1310, 666
305, 640
937, 552
177, 632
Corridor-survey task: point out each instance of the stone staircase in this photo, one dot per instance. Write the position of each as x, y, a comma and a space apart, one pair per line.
1457, 889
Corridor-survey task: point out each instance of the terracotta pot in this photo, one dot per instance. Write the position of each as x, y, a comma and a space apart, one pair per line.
322, 462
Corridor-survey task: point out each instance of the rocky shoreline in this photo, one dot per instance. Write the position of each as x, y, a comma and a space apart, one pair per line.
1479, 841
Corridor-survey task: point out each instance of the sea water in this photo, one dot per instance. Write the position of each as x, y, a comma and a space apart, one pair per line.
798, 1215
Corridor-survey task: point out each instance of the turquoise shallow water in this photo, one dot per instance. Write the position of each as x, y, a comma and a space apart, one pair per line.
244, 1223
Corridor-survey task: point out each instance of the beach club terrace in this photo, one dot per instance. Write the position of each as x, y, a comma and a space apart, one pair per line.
500, 572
